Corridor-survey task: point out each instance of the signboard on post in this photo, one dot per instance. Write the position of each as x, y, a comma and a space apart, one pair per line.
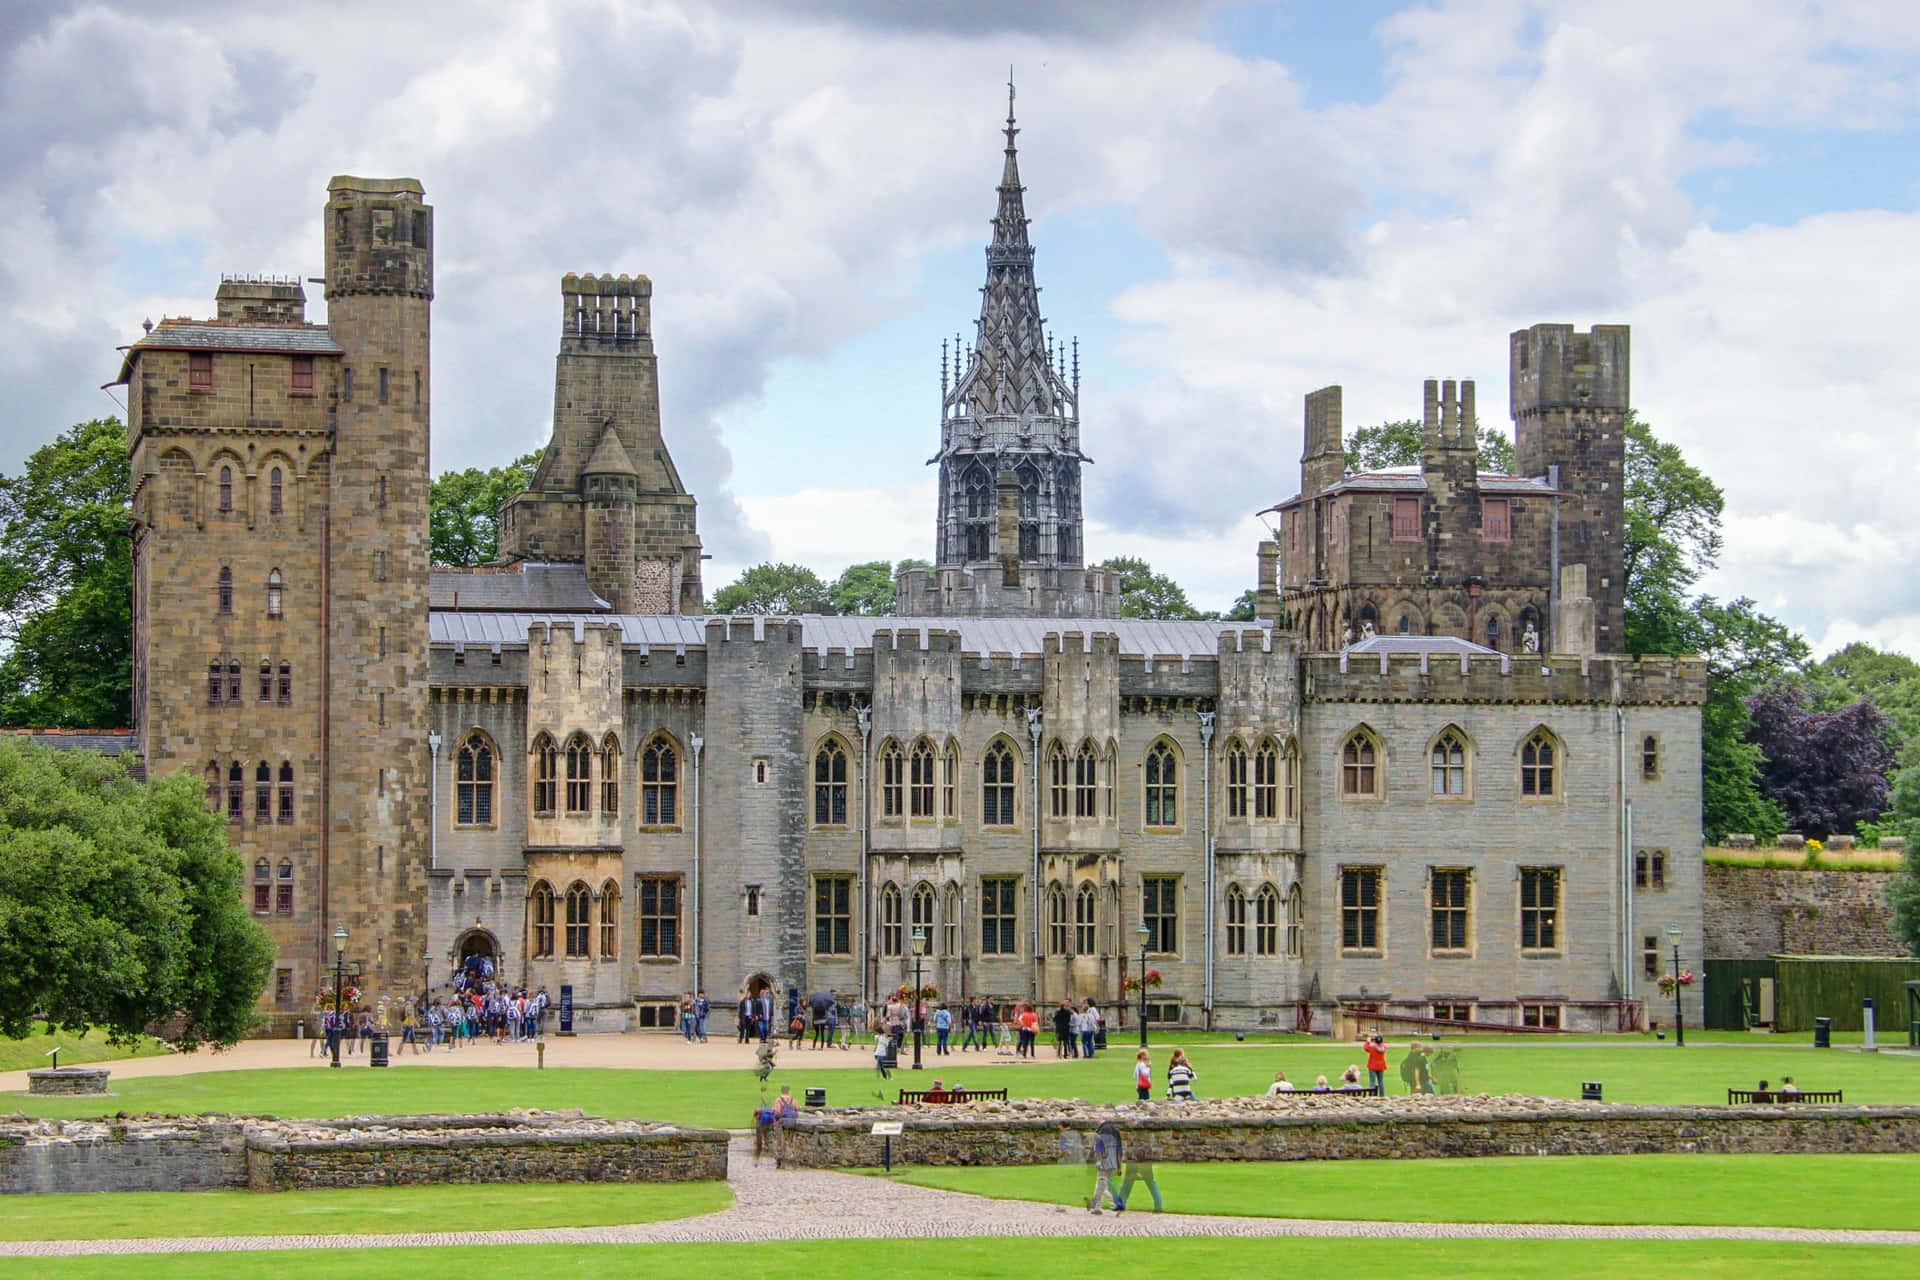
566, 1008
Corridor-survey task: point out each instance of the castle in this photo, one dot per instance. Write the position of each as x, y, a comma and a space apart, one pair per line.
1422, 782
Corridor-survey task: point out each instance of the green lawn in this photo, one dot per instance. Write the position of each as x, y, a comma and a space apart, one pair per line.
31, 1052
376, 1210
994, 1259
1631, 1070
1851, 1192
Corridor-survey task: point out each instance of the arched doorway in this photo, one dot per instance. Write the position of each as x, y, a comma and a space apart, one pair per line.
477, 954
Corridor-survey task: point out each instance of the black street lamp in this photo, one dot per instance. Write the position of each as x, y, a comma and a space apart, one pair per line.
339, 987
1146, 935
919, 953
1679, 1026
426, 986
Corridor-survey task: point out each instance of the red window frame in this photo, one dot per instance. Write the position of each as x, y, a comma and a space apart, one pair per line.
1406, 519
1496, 520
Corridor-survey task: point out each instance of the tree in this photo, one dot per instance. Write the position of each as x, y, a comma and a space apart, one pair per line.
1146, 594
1827, 770
1242, 609
1671, 536
1397, 444
868, 588
773, 589
1903, 895
66, 583
120, 903
464, 523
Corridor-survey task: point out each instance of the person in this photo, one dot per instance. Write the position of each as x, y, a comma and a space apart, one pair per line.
1089, 1029
763, 1119
796, 1029
1141, 1171
763, 1013
1350, 1078
882, 1046
1142, 1075
1106, 1164
820, 1014
702, 1009
745, 1014
1180, 1077
409, 1033
785, 1111
686, 1017
765, 1054
970, 1022
1280, 1084
1072, 1149
936, 1094
942, 1028
1063, 1039
1320, 1085
1788, 1089
1376, 1062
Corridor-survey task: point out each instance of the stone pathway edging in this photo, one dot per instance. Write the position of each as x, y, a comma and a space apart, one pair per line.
772, 1205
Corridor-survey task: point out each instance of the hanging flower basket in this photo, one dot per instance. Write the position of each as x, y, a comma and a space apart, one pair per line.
1150, 979
324, 1000
1670, 984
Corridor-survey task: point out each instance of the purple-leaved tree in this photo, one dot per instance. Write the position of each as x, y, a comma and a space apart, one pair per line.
1827, 770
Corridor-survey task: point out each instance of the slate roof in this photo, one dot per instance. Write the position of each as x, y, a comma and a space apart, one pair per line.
212, 335
1138, 636
1419, 644
529, 586
108, 742
1409, 480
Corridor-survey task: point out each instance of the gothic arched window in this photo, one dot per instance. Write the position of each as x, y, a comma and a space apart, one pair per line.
225, 595
1237, 767
610, 775
659, 783
1449, 765
1086, 782
473, 782
1236, 920
1359, 768
542, 920
1058, 932
1266, 780
921, 907
546, 797
284, 805
1163, 786
893, 769
1057, 780
890, 942
830, 785
1537, 761
609, 920
579, 921
997, 786
226, 491
275, 586
921, 780
276, 502
1085, 917
579, 774
1266, 916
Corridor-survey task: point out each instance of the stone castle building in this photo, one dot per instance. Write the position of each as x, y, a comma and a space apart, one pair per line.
557, 762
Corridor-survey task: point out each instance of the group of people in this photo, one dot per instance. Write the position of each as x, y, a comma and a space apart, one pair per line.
1105, 1152
478, 1005
1180, 1077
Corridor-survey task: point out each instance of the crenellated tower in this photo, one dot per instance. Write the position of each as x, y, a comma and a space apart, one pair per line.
1010, 413
606, 493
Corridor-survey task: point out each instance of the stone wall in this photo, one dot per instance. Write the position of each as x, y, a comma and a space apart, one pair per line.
1310, 1128
211, 1152
1755, 912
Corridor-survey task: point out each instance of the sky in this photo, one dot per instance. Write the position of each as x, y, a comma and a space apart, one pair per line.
1233, 204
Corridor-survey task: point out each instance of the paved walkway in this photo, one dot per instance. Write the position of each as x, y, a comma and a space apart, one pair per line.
772, 1204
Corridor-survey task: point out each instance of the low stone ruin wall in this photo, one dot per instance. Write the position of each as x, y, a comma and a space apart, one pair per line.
208, 1153
1280, 1128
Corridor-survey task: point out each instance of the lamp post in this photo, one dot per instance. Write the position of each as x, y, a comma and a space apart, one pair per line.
1679, 1025
426, 985
919, 953
339, 985
1146, 935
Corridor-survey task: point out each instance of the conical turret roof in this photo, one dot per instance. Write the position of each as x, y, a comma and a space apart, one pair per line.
609, 457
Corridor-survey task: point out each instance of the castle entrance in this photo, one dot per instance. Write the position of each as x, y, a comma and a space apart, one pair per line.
477, 953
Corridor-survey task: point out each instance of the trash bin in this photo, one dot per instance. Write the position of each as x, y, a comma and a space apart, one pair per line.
1823, 1033
1100, 1037
300, 1030
816, 1097
376, 1051
1590, 1091
892, 1061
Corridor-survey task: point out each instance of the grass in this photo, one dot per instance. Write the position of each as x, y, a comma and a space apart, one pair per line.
373, 1210
1854, 1192
1634, 1070
31, 1052
993, 1259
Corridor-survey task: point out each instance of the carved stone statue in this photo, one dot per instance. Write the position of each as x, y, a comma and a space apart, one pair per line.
1366, 629
1346, 636
1530, 639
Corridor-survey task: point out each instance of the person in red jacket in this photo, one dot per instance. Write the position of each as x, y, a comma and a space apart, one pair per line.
1376, 1063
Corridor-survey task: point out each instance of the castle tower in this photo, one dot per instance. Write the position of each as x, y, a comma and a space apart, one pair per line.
1008, 404
1570, 396
379, 281
606, 492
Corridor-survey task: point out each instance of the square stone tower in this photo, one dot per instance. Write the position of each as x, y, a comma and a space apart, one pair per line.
379, 280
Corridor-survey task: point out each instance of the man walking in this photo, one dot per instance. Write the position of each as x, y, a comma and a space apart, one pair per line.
745, 1015
942, 1028
702, 1009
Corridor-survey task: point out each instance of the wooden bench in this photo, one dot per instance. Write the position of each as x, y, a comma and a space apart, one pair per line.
1736, 1096
1352, 1091
953, 1095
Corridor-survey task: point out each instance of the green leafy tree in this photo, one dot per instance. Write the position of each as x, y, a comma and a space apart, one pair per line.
1146, 594
120, 903
868, 588
773, 589
1903, 895
464, 523
66, 583
1397, 444
1242, 609
1671, 537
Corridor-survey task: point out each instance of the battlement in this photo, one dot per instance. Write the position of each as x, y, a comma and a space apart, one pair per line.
1247, 640
389, 188
1070, 643
605, 308
609, 635
753, 629
1554, 366
254, 299
1505, 678
914, 638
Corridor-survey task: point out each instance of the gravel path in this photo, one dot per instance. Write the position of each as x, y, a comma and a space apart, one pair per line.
772, 1204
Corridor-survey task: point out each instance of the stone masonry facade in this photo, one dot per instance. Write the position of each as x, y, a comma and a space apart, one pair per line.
556, 763
1756, 912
